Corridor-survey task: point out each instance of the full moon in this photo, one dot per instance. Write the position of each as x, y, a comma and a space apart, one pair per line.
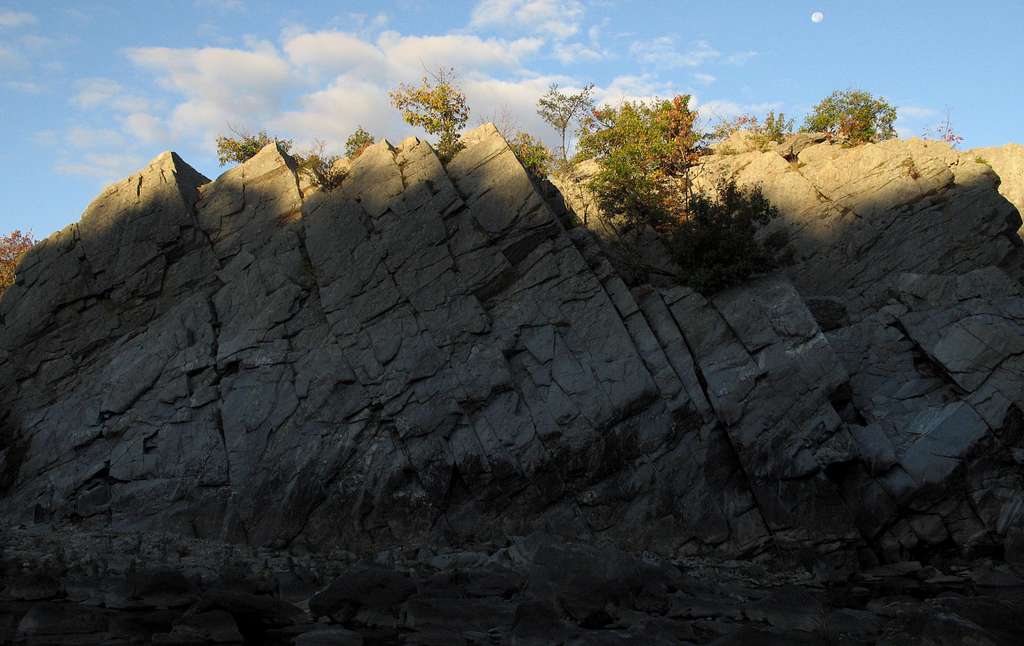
817, 16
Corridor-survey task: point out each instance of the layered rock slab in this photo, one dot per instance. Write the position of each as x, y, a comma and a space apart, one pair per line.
423, 352
858, 216
438, 354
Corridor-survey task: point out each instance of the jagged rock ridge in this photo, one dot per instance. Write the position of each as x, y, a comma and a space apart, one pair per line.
441, 355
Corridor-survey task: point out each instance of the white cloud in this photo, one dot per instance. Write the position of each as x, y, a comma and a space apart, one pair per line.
27, 87
334, 52
103, 166
79, 137
915, 112
144, 127
741, 58
468, 53
643, 87
10, 60
103, 92
569, 53
662, 52
558, 19
12, 19
36, 42
220, 5
364, 22
716, 110
46, 137
333, 113
706, 79
220, 86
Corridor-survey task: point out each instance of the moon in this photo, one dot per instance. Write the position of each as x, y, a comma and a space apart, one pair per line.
817, 17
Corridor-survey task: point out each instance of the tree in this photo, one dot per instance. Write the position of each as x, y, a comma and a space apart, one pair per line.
357, 142
644, 150
12, 248
714, 241
532, 153
854, 117
944, 132
560, 109
320, 167
244, 146
772, 130
438, 106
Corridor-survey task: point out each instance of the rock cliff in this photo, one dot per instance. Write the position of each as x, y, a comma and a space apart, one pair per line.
446, 356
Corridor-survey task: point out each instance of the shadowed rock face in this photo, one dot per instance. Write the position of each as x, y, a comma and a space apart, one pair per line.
441, 355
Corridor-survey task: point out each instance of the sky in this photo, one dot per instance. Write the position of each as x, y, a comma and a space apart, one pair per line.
91, 91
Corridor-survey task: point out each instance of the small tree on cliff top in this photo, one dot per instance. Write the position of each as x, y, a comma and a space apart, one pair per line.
438, 106
853, 116
772, 130
12, 248
320, 167
357, 142
244, 146
642, 148
560, 109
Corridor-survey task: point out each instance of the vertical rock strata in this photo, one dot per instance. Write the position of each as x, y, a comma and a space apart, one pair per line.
432, 354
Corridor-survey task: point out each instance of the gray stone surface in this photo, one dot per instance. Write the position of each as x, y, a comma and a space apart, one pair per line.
433, 355
857, 216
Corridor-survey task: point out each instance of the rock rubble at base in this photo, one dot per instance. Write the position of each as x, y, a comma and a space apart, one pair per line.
531, 590
444, 357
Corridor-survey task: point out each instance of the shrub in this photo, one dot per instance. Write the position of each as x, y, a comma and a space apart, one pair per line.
560, 109
714, 241
641, 147
320, 167
944, 132
244, 146
438, 106
532, 153
853, 117
12, 248
357, 142
764, 133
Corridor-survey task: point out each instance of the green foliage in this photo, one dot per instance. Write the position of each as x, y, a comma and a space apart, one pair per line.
714, 242
640, 147
320, 167
532, 153
560, 109
764, 134
12, 248
775, 128
357, 142
438, 106
854, 117
981, 160
244, 146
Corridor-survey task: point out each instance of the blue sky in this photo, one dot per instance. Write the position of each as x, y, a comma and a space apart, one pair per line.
90, 91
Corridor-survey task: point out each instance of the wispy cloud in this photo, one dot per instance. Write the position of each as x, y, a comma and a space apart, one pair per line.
12, 19
26, 87
102, 166
662, 52
706, 79
558, 19
104, 92
915, 112
10, 60
220, 5
740, 58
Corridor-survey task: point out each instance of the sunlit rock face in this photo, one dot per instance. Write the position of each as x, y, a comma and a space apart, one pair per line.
444, 355
1008, 163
